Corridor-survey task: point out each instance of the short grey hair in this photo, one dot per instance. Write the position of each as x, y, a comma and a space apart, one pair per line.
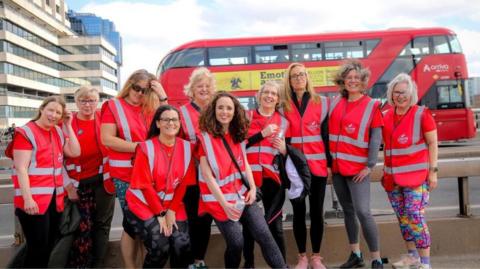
196, 76
86, 91
411, 88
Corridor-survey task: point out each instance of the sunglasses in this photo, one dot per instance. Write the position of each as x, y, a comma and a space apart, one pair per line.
140, 89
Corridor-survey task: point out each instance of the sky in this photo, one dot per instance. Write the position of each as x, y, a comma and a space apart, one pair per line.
150, 29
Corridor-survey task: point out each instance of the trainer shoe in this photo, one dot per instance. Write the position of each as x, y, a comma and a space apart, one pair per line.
316, 262
302, 262
424, 266
377, 264
353, 262
407, 261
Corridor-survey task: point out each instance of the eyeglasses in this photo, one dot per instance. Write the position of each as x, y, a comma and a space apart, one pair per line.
140, 89
395, 93
300, 75
168, 120
353, 78
87, 102
270, 93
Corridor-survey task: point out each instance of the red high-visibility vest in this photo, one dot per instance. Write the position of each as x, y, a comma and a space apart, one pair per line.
74, 166
45, 169
306, 134
260, 155
165, 187
189, 119
405, 151
225, 173
121, 162
349, 134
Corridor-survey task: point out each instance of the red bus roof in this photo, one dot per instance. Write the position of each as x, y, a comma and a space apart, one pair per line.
312, 37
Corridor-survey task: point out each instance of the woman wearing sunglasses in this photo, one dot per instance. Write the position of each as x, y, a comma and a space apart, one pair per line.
125, 123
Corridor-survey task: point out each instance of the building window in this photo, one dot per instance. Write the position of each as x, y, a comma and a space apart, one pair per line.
57, 8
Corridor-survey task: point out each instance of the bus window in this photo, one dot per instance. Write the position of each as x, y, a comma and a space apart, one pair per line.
420, 46
450, 96
184, 58
456, 48
440, 45
229, 55
306, 52
248, 102
371, 44
343, 49
271, 54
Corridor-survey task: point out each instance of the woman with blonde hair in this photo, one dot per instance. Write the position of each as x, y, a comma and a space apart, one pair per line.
355, 136
125, 123
38, 151
200, 89
307, 113
89, 188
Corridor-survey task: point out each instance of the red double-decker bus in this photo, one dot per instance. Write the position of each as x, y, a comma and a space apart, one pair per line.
432, 56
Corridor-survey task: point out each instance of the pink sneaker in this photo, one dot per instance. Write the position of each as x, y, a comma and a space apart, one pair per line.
302, 262
316, 262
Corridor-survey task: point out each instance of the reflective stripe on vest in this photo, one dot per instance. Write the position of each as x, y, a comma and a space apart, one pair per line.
139, 194
406, 168
334, 103
348, 140
41, 191
349, 157
120, 163
33, 171
211, 160
188, 122
230, 197
306, 139
123, 121
72, 166
224, 181
261, 149
259, 167
102, 167
404, 151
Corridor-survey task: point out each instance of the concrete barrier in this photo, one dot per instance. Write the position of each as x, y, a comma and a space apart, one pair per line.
450, 237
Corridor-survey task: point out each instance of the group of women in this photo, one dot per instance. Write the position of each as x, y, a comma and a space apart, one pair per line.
175, 171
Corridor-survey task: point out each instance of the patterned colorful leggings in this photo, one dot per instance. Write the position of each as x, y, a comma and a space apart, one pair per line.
409, 205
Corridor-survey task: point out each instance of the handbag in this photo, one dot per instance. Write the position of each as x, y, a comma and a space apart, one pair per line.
259, 194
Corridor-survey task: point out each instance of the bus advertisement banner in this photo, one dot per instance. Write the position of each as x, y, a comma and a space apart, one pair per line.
253, 80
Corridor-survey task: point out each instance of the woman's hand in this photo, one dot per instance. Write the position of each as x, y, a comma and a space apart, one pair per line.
170, 218
68, 118
232, 212
361, 176
251, 195
269, 130
329, 175
279, 143
432, 180
30, 206
164, 227
158, 89
72, 193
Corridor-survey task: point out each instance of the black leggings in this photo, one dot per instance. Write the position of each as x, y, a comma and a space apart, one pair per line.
159, 247
269, 190
251, 219
199, 227
316, 199
41, 232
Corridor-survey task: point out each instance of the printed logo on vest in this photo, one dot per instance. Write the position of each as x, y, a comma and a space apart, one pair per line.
350, 129
312, 126
175, 182
60, 157
240, 161
403, 139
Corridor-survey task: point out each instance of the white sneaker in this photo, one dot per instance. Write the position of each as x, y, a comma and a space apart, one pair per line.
424, 266
407, 261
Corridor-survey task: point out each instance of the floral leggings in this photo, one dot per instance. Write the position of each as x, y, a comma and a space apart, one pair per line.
409, 205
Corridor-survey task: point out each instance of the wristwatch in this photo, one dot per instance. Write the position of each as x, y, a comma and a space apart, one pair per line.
162, 214
434, 169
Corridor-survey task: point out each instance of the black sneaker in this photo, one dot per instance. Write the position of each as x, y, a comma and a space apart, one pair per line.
377, 264
353, 262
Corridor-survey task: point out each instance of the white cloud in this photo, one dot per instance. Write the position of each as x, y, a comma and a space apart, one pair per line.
150, 30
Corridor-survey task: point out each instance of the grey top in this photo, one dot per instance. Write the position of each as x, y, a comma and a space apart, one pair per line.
374, 146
